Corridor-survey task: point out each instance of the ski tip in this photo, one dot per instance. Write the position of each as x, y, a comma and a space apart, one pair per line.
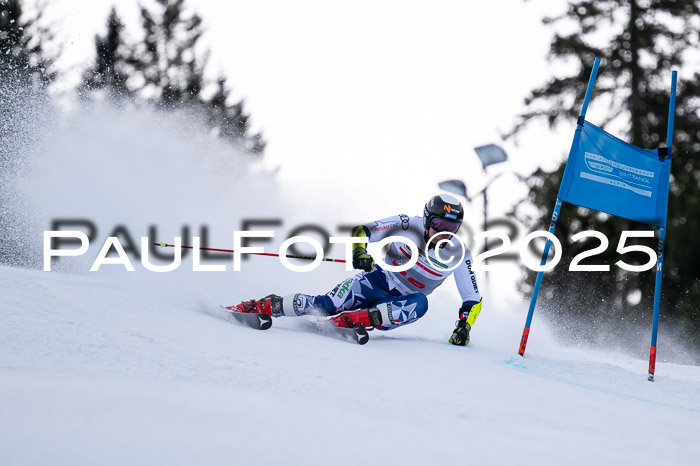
257, 321
362, 336
265, 321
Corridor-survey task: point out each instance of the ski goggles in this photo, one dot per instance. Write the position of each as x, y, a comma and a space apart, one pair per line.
440, 224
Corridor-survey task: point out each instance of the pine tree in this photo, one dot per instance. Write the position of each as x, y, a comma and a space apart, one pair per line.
26, 71
22, 56
230, 120
110, 70
168, 61
170, 64
654, 36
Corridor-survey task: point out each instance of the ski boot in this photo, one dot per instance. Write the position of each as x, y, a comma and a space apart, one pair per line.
270, 305
363, 318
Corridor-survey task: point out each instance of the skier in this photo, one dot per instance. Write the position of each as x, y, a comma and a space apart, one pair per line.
382, 299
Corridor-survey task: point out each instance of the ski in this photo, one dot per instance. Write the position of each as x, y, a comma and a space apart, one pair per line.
257, 321
262, 321
357, 335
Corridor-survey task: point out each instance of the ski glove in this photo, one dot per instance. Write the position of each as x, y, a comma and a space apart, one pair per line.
467, 316
361, 260
460, 336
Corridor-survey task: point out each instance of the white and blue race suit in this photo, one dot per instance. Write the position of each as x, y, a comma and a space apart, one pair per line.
405, 292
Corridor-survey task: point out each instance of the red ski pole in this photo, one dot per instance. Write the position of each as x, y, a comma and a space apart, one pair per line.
290, 256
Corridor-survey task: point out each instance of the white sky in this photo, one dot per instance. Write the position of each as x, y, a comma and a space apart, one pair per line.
355, 94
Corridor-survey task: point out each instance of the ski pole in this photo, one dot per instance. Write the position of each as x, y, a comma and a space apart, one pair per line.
290, 256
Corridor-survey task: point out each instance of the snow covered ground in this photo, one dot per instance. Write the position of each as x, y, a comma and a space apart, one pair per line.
102, 371
136, 368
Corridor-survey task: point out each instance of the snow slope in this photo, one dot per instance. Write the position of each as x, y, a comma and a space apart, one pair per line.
97, 371
141, 368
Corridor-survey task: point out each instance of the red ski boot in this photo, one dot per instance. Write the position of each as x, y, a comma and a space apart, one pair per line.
270, 305
363, 318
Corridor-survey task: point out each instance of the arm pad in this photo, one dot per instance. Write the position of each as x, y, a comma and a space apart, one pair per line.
470, 311
359, 232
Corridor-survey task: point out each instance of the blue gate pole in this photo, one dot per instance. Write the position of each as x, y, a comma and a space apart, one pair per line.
538, 281
557, 207
662, 240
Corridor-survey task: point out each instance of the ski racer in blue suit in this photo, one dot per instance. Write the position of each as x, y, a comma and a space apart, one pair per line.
383, 299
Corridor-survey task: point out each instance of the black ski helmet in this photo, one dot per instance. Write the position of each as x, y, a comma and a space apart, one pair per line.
444, 207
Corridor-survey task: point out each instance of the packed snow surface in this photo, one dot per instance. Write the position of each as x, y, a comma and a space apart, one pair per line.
107, 371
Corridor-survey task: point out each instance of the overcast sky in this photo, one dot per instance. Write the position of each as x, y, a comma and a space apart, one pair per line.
395, 84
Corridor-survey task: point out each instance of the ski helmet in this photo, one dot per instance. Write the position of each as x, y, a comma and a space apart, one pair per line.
443, 213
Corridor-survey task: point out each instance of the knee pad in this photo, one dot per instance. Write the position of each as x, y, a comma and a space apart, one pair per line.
403, 309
